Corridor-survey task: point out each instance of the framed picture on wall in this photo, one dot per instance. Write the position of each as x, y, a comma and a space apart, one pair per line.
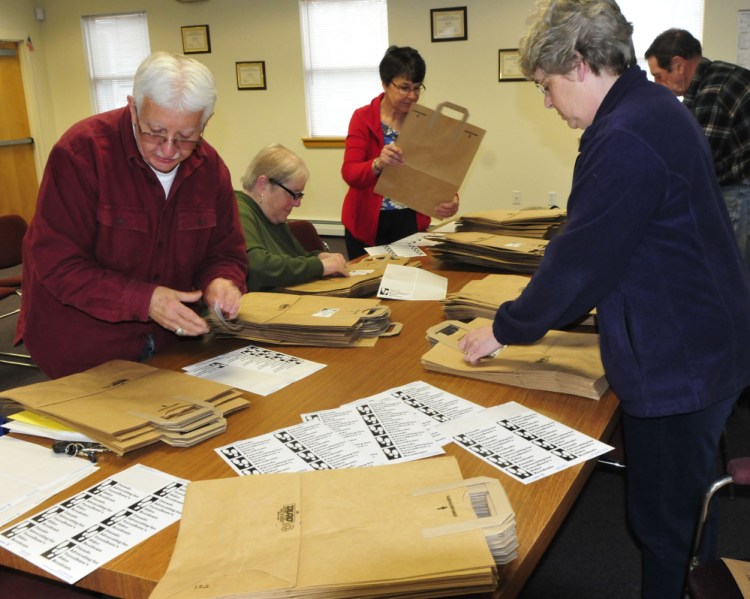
195, 39
251, 74
448, 24
508, 67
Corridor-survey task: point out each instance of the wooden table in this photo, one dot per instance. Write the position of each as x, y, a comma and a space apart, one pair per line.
351, 374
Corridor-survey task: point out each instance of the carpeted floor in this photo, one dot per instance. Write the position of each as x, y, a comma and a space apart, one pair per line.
593, 555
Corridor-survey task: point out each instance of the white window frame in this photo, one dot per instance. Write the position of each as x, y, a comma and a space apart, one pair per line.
343, 42
651, 18
115, 45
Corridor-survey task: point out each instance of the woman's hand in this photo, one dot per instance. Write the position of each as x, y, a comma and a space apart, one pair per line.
479, 343
447, 209
333, 264
391, 155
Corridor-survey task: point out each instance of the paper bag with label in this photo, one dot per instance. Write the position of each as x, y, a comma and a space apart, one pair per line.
336, 533
562, 361
438, 151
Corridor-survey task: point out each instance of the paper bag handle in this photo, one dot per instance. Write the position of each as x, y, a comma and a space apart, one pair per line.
394, 328
452, 106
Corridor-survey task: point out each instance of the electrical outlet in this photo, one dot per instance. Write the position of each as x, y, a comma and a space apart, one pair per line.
516, 196
552, 198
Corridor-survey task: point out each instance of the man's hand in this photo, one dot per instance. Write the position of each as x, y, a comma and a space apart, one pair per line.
479, 343
167, 308
224, 294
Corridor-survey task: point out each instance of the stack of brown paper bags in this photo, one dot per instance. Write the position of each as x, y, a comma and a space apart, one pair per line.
385, 531
364, 280
482, 297
536, 223
288, 319
127, 405
561, 361
501, 252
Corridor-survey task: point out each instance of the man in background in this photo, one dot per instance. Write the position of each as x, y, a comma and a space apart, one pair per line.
136, 222
718, 94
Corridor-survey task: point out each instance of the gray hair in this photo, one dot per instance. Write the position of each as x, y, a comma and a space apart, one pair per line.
561, 32
275, 162
175, 82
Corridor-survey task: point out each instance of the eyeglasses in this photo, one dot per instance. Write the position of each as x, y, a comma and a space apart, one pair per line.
405, 89
296, 195
542, 87
157, 140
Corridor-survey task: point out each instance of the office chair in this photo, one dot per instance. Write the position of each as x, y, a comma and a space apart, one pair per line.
711, 579
307, 235
12, 230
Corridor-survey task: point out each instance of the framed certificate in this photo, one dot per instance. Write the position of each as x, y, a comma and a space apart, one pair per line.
448, 24
508, 67
251, 74
195, 39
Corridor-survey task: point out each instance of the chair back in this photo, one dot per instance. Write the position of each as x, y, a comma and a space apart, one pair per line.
711, 579
307, 235
12, 230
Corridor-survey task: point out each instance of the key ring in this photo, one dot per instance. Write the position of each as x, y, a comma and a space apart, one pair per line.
73, 448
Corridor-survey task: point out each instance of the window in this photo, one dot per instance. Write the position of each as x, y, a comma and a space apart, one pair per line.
651, 18
343, 42
115, 46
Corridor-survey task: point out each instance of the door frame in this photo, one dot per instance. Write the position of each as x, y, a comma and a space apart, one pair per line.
30, 78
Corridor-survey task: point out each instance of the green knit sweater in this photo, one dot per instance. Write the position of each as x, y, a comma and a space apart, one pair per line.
274, 256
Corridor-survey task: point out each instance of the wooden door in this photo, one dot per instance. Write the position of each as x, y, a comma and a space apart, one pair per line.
18, 182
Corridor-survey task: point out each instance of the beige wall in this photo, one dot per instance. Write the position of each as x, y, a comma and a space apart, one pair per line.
526, 148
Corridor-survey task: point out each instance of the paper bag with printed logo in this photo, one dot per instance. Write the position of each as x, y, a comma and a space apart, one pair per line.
438, 150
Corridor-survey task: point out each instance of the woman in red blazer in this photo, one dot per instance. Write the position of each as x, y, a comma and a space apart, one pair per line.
370, 219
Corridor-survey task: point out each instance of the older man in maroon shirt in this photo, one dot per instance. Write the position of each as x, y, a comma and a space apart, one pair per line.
136, 222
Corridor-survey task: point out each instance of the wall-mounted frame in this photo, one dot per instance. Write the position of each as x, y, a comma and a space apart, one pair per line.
251, 74
195, 39
448, 24
508, 67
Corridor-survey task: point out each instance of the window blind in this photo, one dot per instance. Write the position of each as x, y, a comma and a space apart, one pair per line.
343, 42
115, 46
651, 18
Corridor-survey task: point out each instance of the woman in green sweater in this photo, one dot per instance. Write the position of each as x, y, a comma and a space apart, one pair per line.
273, 186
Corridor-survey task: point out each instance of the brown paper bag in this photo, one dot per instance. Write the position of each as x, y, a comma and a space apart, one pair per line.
337, 533
126, 405
438, 151
561, 361
364, 279
284, 318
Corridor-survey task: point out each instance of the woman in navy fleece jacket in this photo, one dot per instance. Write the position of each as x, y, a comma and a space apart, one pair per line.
650, 244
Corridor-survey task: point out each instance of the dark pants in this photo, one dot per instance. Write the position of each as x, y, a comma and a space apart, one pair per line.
671, 461
392, 226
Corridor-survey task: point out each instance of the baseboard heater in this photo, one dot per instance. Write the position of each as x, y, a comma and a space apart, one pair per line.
328, 228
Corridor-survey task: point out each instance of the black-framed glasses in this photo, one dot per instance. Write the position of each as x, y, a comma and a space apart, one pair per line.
296, 195
157, 139
405, 89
